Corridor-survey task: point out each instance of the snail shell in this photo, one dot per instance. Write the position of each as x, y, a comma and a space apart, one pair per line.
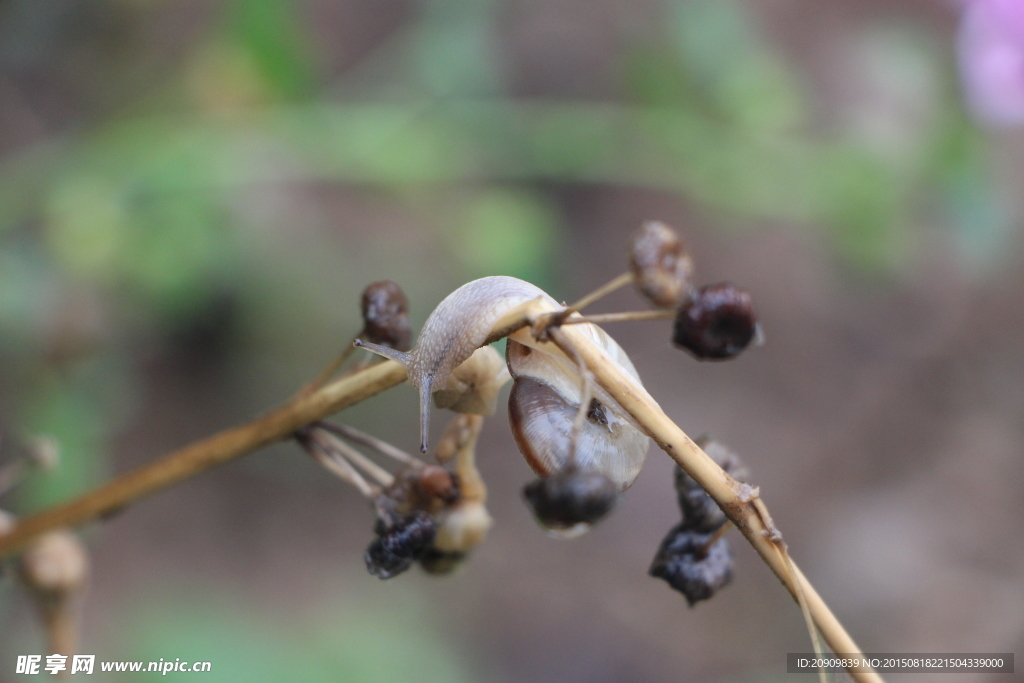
545, 398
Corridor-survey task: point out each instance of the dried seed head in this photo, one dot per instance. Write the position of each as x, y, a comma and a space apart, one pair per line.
386, 315
399, 545
661, 265
567, 503
700, 512
56, 565
691, 566
716, 323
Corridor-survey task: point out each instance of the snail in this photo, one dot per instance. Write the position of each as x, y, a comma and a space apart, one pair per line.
459, 325
581, 480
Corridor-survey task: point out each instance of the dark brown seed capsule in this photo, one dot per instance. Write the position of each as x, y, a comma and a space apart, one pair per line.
571, 497
386, 315
692, 567
661, 264
399, 545
700, 512
716, 323
437, 482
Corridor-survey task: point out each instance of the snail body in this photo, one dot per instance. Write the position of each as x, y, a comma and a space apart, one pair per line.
458, 326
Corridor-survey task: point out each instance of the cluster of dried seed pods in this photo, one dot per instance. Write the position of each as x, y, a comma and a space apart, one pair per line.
425, 513
695, 557
713, 322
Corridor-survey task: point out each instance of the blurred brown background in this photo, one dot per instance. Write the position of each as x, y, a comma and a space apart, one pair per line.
192, 196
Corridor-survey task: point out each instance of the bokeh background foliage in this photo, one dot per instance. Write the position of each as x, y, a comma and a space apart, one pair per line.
192, 194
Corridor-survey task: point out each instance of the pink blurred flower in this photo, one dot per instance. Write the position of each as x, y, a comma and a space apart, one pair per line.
991, 53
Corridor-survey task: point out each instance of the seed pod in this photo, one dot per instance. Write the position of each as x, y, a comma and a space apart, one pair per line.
55, 565
569, 502
716, 323
386, 315
436, 482
692, 567
399, 545
661, 265
55, 568
700, 512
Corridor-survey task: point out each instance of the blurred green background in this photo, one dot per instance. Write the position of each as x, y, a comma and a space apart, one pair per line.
192, 196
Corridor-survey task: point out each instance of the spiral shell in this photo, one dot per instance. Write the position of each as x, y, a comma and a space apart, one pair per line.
545, 398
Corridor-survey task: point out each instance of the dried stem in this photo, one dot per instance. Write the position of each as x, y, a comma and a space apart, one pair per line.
200, 456
344, 470
343, 451
602, 291
332, 368
586, 395
379, 445
600, 318
739, 501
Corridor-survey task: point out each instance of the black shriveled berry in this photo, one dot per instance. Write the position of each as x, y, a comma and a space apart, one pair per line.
692, 567
700, 511
716, 323
399, 545
660, 264
571, 496
386, 315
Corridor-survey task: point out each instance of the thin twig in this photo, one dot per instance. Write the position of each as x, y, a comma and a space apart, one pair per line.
601, 318
715, 538
602, 291
379, 445
332, 368
200, 456
335, 446
812, 630
337, 466
586, 395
